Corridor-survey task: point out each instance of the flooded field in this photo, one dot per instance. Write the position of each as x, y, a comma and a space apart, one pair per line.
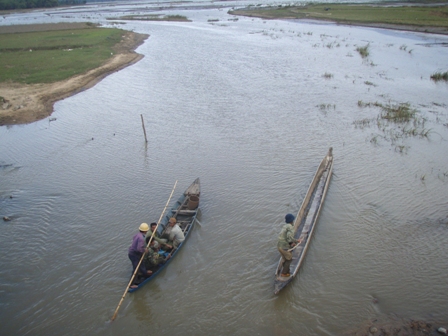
251, 107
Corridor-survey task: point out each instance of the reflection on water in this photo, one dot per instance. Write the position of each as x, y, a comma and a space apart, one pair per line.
246, 106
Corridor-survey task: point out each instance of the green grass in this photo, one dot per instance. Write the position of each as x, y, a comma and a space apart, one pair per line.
46, 57
436, 16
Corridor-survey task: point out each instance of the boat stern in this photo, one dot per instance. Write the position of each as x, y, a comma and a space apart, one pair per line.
280, 283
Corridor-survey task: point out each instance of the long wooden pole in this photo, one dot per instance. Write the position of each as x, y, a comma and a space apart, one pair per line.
136, 269
143, 125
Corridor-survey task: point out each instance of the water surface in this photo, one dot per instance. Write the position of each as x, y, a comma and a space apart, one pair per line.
251, 107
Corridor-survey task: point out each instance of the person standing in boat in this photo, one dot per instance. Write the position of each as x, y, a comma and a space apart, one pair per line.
175, 234
138, 249
285, 242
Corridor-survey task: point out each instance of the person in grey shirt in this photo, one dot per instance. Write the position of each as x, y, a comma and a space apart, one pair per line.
175, 234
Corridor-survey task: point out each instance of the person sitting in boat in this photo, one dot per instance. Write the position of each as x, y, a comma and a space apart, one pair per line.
157, 238
285, 242
155, 256
138, 249
175, 234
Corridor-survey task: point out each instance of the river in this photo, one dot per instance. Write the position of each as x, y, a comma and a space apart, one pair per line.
251, 107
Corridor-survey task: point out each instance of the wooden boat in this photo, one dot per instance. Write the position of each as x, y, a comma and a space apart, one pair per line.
306, 220
185, 210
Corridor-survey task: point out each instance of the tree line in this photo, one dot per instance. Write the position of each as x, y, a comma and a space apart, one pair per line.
25, 4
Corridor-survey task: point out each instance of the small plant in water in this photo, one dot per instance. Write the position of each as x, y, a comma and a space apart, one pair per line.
364, 51
401, 149
438, 76
324, 107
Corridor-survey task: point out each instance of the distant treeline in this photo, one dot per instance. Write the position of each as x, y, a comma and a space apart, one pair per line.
24, 4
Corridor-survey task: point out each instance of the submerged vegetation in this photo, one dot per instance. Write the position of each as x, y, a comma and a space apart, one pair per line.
396, 122
324, 107
439, 76
363, 51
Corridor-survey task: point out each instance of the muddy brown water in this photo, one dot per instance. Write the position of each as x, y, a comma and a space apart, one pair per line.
248, 106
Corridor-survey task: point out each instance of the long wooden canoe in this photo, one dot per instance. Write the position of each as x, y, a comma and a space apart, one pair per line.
306, 220
185, 210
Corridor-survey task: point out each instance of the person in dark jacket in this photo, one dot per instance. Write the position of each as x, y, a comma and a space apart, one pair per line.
285, 242
153, 259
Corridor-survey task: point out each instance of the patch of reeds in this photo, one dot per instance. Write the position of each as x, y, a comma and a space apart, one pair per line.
439, 76
364, 51
397, 113
395, 123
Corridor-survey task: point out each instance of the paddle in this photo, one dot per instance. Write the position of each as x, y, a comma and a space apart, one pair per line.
147, 246
296, 246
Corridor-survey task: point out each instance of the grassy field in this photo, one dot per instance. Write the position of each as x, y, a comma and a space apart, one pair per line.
436, 16
49, 56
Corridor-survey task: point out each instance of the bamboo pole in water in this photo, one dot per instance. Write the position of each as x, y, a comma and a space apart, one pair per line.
138, 266
143, 125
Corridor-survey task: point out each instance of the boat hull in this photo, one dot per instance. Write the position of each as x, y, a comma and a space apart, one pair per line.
306, 220
185, 211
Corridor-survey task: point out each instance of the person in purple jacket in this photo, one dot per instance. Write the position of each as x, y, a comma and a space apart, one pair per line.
138, 249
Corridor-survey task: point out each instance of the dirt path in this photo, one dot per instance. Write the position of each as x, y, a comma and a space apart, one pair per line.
28, 103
